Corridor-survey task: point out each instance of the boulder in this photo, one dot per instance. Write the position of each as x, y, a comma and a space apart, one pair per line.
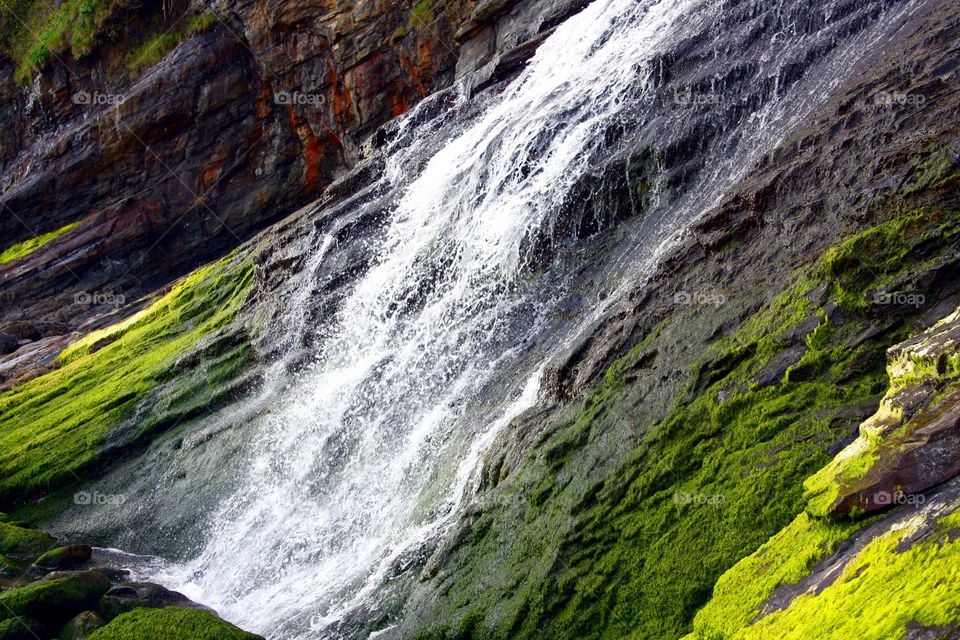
171, 623
82, 626
912, 443
56, 599
128, 596
65, 557
23, 542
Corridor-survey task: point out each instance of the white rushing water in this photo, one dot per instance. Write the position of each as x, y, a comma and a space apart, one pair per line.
366, 453
370, 452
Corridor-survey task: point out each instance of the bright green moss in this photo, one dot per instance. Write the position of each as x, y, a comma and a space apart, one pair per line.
170, 623
880, 591
19, 541
865, 266
635, 551
52, 427
784, 559
56, 600
151, 52
615, 529
27, 247
823, 488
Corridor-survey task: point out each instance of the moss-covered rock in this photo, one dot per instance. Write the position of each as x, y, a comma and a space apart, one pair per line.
55, 600
912, 443
866, 579
171, 623
128, 596
883, 581
22, 629
65, 557
27, 247
82, 626
23, 542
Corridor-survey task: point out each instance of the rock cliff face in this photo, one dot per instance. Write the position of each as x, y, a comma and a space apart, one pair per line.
759, 441
250, 112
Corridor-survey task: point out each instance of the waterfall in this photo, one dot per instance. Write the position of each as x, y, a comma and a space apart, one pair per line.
370, 452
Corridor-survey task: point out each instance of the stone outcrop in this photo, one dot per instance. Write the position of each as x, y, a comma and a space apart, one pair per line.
912, 443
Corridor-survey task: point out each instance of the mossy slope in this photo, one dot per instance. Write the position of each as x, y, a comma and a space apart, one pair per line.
905, 574
54, 427
905, 577
590, 542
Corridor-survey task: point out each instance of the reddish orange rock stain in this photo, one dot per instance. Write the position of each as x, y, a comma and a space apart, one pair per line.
399, 105
313, 151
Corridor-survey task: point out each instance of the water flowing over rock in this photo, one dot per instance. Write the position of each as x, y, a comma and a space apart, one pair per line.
536, 244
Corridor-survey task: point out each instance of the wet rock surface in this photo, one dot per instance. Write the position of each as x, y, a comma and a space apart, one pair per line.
810, 191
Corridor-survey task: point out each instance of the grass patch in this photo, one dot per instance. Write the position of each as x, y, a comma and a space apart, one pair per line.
151, 52
73, 29
27, 247
52, 427
201, 23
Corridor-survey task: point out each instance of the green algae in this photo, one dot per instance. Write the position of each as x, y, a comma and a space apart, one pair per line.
170, 623
27, 247
53, 427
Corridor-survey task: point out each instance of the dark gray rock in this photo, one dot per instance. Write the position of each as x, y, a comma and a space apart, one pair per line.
128, 596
